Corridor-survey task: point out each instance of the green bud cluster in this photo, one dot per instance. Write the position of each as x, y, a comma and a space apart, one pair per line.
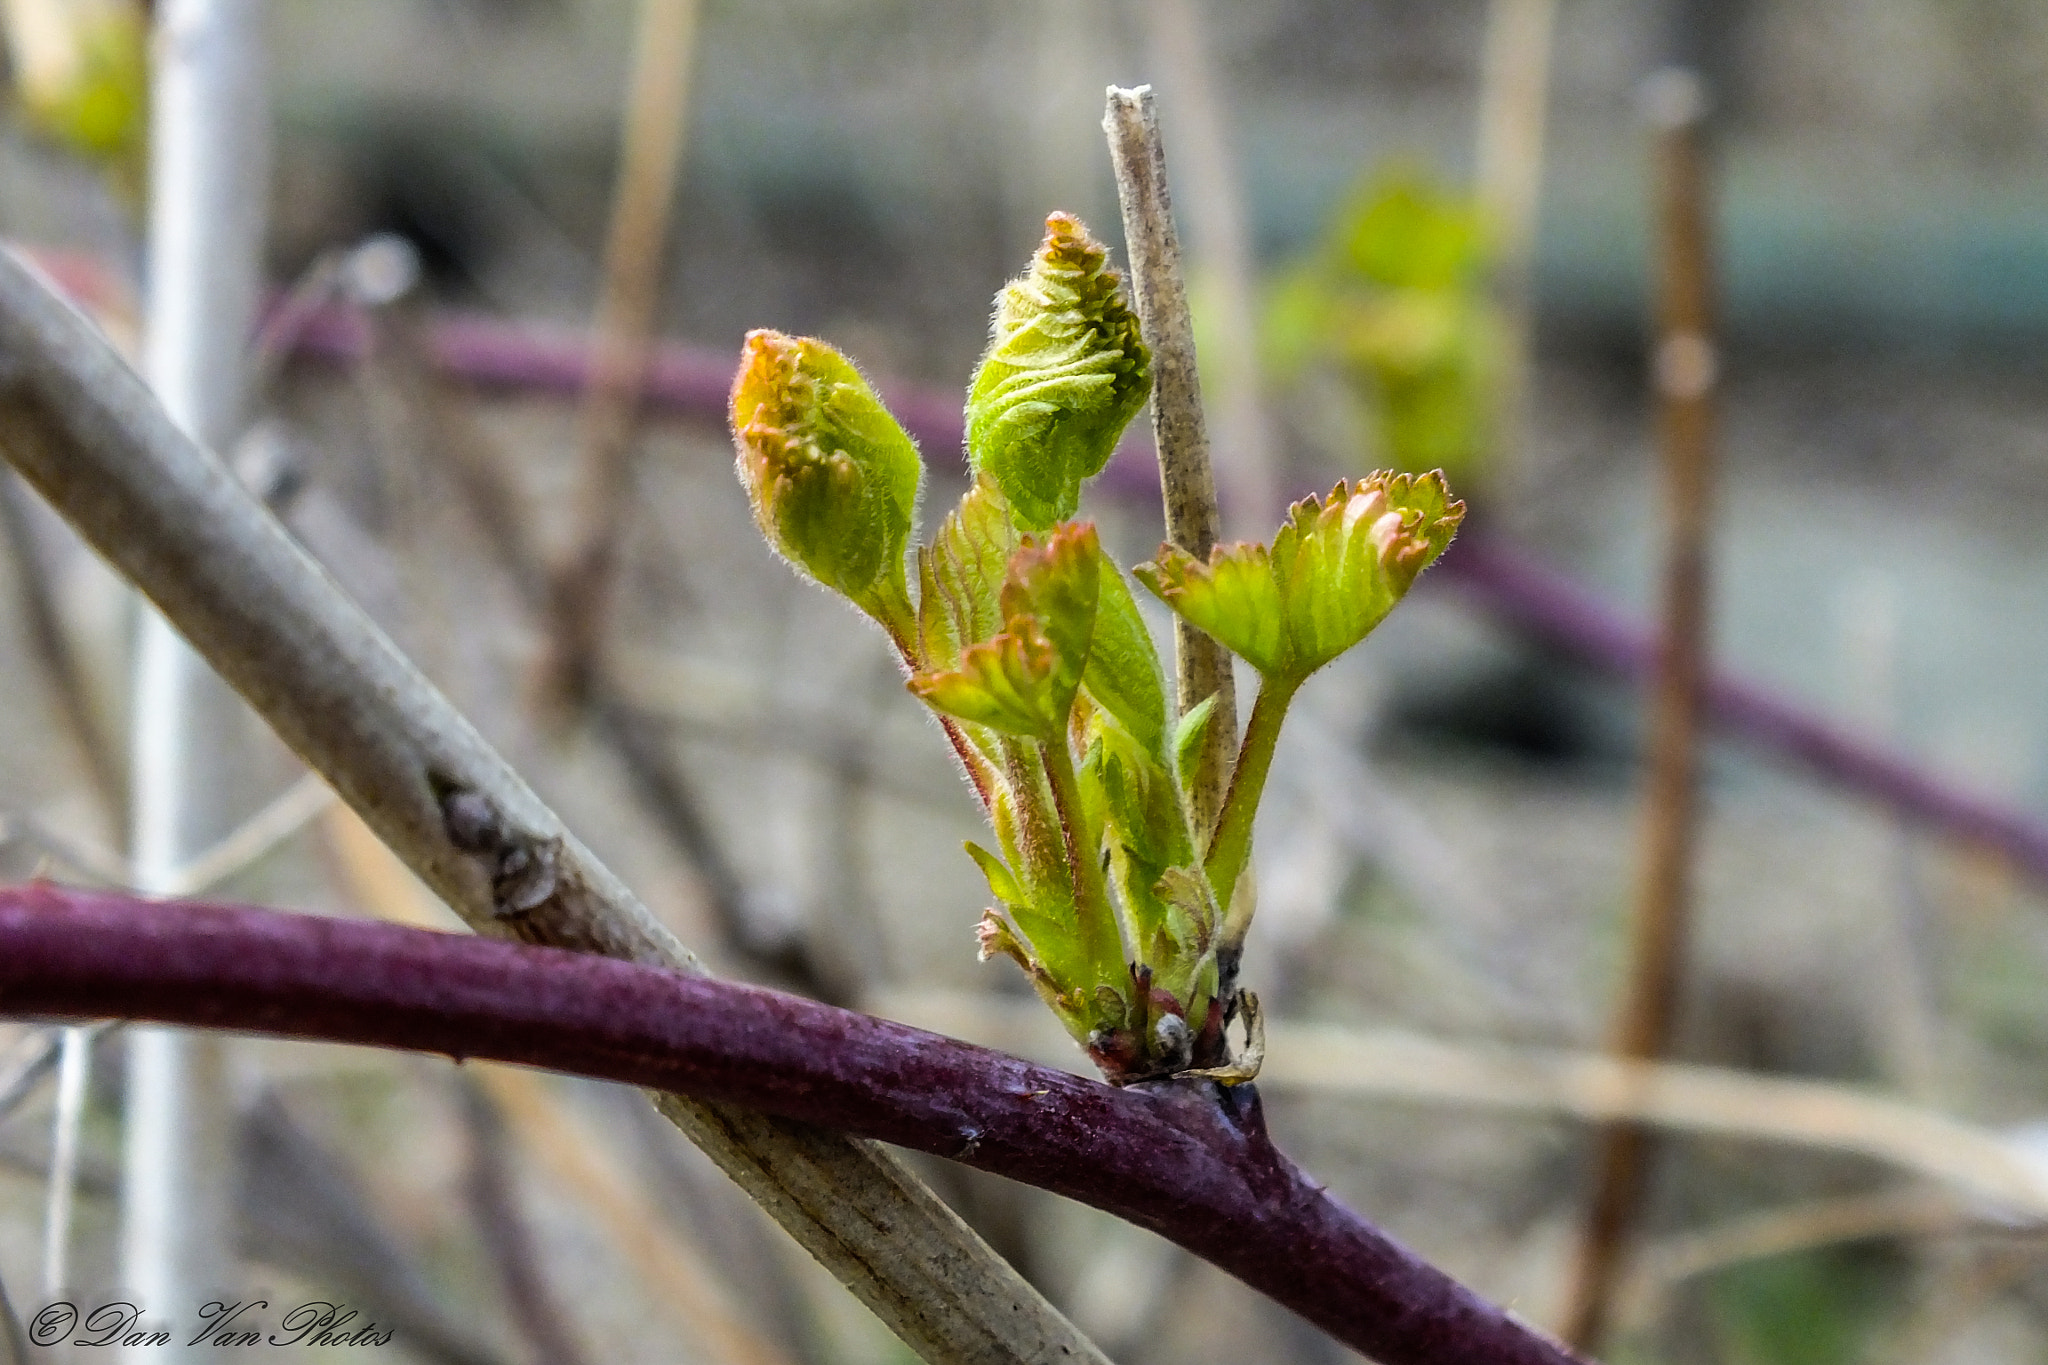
1026, 641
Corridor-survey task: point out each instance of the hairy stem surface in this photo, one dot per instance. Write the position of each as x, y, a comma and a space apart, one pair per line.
1231, 849
1084, 860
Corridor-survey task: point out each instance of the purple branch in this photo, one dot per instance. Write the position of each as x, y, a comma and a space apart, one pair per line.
1550, 607
1191, 1163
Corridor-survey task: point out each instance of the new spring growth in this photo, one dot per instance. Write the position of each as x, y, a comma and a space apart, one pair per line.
1026, 641
833, 478
1337, 567
1064, 375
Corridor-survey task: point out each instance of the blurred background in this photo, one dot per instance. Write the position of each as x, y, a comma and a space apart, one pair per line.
1420, 233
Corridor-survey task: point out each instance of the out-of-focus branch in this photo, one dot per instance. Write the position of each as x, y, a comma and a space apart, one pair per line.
86, 433
277, 820
1178, 35
32, 1059
208, 195
1896, 1213
674, 1268
303, 1210
1391, 1065
233, 853
528, 1296
61, 1189
1189, 1160
64, 680
656, 119
1193, 521
1684, 376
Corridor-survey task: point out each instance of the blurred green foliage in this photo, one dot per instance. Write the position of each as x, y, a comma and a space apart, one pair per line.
81, 80
1394, 302
1812, 1308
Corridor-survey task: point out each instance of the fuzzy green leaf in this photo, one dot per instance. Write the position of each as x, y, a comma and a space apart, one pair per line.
1002, 883
1336, 569
1057, 582
1064, 374
1141, 802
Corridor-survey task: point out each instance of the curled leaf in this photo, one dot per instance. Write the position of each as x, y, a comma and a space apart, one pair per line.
961, 574
1023, 680
1002, 883
1064, 374
1335, 570
1123, 675
1188, 733
1008, 683
833, 478
1057, 582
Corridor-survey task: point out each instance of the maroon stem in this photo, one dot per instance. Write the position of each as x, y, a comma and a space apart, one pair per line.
1190, 1162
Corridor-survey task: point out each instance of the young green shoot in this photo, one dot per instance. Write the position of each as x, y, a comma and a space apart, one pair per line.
1024, 638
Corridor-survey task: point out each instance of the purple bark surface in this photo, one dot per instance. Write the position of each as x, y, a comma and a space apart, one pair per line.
1190, 1161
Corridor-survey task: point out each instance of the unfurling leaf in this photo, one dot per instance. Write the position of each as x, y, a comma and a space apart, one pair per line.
1002, 883
1336, 569
1123, 674
1023, 680
832, 477
1006, 683
960, 577
1140, 799
1187, 737
1058, 583
1064, 374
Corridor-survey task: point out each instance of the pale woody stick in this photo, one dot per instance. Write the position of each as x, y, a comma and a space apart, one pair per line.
1202, 667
